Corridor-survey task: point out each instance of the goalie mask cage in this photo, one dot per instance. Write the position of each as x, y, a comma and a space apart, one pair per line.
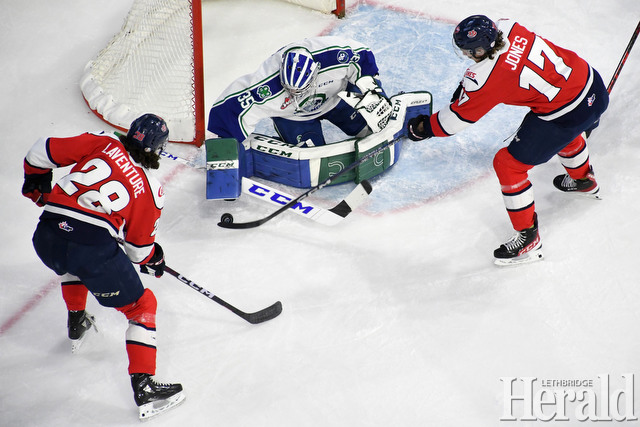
154, 65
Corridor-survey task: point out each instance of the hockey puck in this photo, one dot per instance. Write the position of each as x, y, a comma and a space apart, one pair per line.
226, 218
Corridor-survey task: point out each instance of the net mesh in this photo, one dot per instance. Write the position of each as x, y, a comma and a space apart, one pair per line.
148, 67
326, 6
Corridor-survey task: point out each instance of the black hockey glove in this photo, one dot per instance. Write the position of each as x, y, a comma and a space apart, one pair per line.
456, 93
156, 263
37, 187
413, 131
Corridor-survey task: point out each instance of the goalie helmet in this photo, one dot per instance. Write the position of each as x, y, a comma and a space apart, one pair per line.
148, 133
475, 32
299, 73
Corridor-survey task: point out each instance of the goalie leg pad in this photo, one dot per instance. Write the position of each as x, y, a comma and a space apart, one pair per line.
223, 168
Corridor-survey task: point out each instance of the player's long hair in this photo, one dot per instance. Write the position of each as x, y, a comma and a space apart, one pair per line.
499, 44
149, 160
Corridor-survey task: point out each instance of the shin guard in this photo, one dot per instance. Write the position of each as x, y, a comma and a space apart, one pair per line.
141, 333
517, 191
575, 158
74, 293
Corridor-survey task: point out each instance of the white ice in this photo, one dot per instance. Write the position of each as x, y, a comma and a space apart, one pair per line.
397, 316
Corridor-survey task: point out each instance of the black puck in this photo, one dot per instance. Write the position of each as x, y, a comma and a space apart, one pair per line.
226, 218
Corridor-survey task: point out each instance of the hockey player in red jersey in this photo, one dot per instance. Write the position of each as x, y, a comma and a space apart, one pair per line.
566, 96
108, 193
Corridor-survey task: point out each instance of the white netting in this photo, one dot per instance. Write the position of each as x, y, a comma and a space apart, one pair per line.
326, 6
148, 67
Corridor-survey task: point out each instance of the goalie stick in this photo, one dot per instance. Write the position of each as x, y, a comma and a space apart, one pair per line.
328, 181
417, 102
254, 318
263, 192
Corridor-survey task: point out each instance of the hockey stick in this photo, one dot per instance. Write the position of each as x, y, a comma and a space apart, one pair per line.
417, 102
262, 191
616, 73
365, 184
625, 55
259, 316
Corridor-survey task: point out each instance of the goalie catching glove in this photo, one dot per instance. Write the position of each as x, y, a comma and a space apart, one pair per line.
372, 104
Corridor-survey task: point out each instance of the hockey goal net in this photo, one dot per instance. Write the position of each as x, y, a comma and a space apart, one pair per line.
327, 6
154, 65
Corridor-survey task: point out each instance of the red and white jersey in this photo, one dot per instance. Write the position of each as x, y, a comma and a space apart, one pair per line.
529, 71
105, 187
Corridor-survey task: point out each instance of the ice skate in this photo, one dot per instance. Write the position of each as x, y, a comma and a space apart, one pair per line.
524, 247
78, 323
154, 398
586, 186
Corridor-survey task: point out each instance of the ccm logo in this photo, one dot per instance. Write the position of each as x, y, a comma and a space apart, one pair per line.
278, 198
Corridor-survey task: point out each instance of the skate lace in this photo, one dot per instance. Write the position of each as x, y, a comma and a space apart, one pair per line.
158, 384
568, 182
516, 241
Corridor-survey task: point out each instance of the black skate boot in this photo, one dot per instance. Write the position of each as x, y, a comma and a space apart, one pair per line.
584, 186
525, 246
154, 398
78, 323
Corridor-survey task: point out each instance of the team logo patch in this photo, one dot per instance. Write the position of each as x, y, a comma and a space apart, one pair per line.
472, 34
263, 91
312, 103
343, 57
591, 100
287, 101
64, 226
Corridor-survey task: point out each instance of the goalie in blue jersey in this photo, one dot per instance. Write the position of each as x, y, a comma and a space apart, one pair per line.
320, 78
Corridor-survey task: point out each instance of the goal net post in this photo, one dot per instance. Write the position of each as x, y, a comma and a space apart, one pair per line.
153, 65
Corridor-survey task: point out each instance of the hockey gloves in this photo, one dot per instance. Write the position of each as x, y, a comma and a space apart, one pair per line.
456, 93
419, 128
156, 263
372, 103
37, 187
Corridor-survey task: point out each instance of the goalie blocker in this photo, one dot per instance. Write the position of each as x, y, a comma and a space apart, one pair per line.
268, 158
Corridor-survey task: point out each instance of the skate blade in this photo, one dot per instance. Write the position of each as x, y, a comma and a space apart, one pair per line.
152, 409
76, 344
595, 195
589, 195
529, 257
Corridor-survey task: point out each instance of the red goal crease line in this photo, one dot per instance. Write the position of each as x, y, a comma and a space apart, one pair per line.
26, 308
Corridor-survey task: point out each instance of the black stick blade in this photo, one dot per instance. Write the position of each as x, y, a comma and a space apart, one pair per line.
265, 314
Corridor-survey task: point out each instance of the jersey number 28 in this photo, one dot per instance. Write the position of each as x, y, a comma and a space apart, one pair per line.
110, 196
